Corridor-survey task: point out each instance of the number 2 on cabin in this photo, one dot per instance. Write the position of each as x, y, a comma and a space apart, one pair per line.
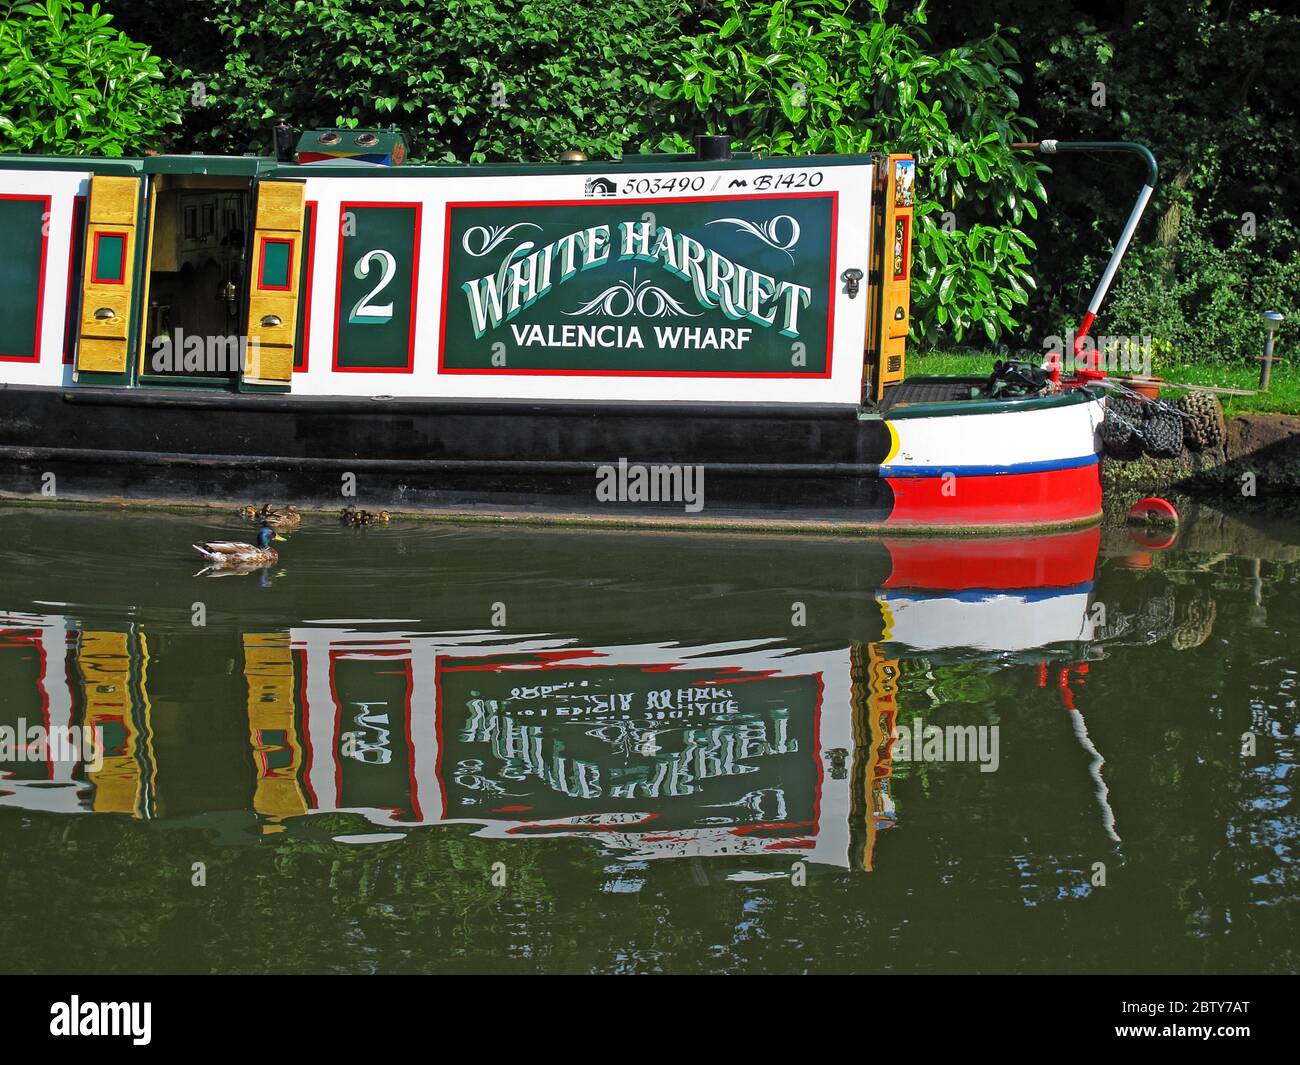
363, 311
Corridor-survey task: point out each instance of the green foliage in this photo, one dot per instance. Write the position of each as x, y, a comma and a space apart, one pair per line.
820, 76
466, 81
1209, 87
1201, 299
72, 84
1206, 85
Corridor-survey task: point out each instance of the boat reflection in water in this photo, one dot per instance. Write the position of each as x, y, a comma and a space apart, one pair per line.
655, 749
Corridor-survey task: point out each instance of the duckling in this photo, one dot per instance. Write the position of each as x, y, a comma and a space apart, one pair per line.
248, 512
222, 553
350, 515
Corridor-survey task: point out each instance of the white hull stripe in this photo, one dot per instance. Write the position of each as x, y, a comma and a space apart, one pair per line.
1006, 441
1045, 466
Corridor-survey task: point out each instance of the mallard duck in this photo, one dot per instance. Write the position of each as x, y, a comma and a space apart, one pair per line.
228, 553
287, 519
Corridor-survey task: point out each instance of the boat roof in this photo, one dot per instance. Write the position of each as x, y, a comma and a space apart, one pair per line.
252, 166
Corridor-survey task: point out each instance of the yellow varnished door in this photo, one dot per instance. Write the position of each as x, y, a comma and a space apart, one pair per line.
893, 304
273, 290
108, 276
278, 755
104, 660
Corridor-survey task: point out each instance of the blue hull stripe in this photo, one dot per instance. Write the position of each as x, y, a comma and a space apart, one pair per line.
1046, 466
983, 595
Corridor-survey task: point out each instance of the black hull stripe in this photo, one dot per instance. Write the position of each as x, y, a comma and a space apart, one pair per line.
485, 466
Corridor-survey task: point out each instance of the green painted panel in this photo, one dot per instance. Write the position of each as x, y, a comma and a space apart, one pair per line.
377, 272
275, 264
110, 257
22, 221
373, 699
713, 285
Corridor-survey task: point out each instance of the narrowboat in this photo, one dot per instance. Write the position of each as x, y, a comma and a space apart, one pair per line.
709, 336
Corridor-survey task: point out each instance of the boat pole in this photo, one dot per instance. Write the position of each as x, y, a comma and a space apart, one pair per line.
1051, 147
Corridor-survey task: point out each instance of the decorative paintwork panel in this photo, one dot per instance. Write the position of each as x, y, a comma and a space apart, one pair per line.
378, 275
701, 285
737, 751
705, 284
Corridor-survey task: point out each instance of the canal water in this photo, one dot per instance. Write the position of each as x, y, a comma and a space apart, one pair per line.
421, 747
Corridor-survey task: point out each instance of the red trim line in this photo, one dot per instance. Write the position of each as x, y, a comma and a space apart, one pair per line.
261, 265
95, 279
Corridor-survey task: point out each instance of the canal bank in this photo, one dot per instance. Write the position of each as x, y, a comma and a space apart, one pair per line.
1258, 461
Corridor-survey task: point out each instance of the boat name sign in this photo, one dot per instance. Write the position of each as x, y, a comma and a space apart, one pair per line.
708, 284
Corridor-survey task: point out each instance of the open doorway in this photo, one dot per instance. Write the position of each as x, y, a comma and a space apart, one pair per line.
197, 267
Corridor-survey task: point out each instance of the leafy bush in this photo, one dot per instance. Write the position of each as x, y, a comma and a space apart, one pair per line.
466, 81
1201, 302
812, 76
1210, 88
71, 84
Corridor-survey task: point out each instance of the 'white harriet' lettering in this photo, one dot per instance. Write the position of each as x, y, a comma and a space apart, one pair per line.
528, 273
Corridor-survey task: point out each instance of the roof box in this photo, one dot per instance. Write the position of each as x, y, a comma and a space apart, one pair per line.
380, 147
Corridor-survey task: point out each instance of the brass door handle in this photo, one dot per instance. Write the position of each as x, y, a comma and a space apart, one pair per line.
105, 313
271, 320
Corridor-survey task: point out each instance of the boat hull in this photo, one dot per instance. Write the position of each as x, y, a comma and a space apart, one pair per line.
1037, 461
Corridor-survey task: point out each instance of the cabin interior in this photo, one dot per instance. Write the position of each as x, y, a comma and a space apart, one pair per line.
197, 265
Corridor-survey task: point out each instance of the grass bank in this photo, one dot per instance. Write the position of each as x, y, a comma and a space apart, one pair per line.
1283, 396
